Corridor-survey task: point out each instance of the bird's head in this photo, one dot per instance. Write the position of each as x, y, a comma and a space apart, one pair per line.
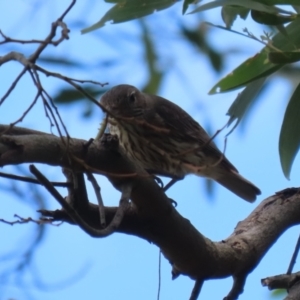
124, 101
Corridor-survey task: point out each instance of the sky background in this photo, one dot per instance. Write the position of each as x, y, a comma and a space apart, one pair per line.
68, 263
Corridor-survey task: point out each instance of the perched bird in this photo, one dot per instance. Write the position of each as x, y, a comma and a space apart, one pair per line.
165, 140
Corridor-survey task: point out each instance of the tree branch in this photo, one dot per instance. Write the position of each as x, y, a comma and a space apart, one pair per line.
152, 216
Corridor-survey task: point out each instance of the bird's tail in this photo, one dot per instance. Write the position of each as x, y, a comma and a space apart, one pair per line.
238, 185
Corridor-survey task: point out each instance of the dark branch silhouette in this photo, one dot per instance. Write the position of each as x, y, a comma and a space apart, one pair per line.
151, 216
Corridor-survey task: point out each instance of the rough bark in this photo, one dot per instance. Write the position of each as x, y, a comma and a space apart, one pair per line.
151, 215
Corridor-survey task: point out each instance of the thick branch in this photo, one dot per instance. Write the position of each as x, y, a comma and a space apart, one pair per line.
290, 282
152, 216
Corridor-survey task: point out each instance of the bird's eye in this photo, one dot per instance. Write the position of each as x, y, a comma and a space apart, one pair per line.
132, 97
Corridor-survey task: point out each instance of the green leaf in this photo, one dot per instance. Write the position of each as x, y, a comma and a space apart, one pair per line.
278, 293
71, 95
200, 39
283, 2
297, 8
62, 61
284, 57
155, 75
271, 19
129, 10
230, 12
289, 140
259, 65
186, 4
243, 3
252, 69
243, 101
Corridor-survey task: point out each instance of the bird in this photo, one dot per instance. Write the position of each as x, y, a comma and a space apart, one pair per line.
166, 141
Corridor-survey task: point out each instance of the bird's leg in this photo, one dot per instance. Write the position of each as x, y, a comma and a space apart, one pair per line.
160, 182
168, 185
171, 182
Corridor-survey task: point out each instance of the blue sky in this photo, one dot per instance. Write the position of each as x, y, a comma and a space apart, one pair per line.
71, 264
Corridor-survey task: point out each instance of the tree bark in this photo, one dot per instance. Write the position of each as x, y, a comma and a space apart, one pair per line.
151, 215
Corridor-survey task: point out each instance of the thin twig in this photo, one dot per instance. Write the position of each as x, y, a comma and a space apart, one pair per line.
27, 110
72, 83
67, 10
222, 156
97, 190
159, 275
31, 180
36, 78
52, 33
21, 220
294, 257
205, 144
13, 85
74, 215
8, 39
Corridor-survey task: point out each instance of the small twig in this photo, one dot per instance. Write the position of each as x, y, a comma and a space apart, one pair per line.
87, 144
205, 144
48, 39
97, 190
74, 214
13, 55
196, 289
71, 81
77, 193
13, 85
40, 88
67, 10
88, 81
159, 274
222, 156
22, 220
36, 78
283, 281
31, 180
294, 257
27, 110
249, 35
64, 32
267, 37
8, 39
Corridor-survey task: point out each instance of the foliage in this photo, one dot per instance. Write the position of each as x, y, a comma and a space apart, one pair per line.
280, 50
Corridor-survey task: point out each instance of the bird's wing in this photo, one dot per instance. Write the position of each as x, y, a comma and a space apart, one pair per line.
183, 126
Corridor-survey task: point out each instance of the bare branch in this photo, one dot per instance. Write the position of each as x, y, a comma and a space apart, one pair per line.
21, 220
31, 180
290, 282
13, 85
294, 257
97, 189
126, 190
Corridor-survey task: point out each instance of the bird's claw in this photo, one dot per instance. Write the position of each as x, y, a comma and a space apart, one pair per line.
159, 181
174, 203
